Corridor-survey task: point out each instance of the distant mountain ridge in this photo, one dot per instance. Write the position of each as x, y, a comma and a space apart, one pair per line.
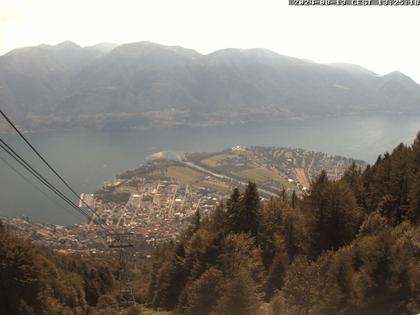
146, 84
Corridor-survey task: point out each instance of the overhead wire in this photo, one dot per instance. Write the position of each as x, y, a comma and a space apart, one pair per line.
28, 181
41, 178
47, 164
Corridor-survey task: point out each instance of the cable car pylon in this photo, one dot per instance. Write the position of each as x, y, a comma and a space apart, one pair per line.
122, 243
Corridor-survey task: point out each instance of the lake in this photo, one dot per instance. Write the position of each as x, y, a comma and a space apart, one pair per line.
88, 158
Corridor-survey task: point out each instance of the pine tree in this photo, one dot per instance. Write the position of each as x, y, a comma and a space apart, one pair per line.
271, 220
20, 275
242, 211
336, 216
367, 194
171, 279
218, 220
353, 178
315, 198
399, 176
196, 220
283, 194
294, 229
294, 200
296, 291
413, 213
250, 207
204, 292
234, 212
276, 273
240, 251
240, 296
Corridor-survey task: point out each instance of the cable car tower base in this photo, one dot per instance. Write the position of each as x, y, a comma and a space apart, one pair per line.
123, 244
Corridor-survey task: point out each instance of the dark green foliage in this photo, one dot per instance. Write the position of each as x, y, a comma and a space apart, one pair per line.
240, 252
374, 275
204, 292
196, 221
283, 194
295, 230
250, 207
293, 202
218, 221
233, 212
282, 230
239, 296
374, 224
413, 212
276, 273
242, 210
171, 280
34, 280
20, 276
391, 185
269, 236
352, 177
336, 217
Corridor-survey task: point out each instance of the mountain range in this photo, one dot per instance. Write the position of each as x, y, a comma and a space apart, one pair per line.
146, 84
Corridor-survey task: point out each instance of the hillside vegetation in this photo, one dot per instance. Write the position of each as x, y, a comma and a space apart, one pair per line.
350, 246
35, 280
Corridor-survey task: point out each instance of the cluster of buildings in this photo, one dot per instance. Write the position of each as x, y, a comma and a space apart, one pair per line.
300, 166
66, 239
155, 212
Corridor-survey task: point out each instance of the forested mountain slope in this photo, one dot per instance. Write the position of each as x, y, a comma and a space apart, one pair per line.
350, 246
35, 280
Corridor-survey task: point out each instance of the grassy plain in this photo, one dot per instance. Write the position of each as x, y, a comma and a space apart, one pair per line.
184, 175
215, 160
261, 175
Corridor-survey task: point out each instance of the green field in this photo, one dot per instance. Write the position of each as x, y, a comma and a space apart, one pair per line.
187, 175
221, 186
184, 175
126, 189
262, 175
215, 160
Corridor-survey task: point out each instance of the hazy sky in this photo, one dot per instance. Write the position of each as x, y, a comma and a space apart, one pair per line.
380, 38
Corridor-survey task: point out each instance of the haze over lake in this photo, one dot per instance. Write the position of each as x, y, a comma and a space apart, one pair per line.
88, 158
